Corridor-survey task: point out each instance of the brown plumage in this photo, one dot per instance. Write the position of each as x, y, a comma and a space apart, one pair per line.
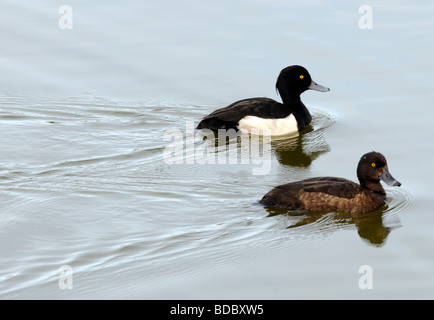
337, 194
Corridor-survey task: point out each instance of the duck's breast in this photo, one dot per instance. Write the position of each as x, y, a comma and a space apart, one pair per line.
274, 127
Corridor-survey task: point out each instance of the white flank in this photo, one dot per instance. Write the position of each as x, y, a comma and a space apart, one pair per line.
276, 127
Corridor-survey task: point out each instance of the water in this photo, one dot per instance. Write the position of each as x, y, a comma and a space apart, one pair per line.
84, 181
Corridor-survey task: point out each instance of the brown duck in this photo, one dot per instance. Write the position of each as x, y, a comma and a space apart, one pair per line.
337, 194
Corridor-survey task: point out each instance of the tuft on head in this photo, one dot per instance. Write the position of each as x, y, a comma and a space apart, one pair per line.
293, 78
371, 167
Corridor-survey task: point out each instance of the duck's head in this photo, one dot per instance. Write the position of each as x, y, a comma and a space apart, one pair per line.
294, 80
372, 168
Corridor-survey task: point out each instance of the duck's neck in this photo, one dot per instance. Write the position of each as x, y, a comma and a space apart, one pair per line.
289, 97
291, 100
374, 186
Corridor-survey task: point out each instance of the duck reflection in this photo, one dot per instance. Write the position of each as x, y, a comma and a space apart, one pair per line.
370, 227
300, 150
296, 150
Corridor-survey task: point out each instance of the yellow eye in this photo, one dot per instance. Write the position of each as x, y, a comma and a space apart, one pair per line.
301, 76
373, 164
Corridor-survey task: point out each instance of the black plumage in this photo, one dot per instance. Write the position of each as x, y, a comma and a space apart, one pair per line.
292, 82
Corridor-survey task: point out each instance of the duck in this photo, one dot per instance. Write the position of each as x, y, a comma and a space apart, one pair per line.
266, 115
336, 194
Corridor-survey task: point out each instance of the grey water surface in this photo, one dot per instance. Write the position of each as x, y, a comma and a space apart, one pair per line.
102, 173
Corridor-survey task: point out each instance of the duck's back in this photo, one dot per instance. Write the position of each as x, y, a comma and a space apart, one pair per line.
326, 193
229, 117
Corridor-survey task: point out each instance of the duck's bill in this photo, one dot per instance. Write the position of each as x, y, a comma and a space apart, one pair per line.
387, 178
318, 87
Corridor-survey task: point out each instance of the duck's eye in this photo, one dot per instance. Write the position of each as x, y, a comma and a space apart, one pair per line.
301, 76
373, 164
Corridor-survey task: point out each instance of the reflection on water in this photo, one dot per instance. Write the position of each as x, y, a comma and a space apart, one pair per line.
82, 175
91, 178
370, 227
373, 227
300, 150
296, 149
